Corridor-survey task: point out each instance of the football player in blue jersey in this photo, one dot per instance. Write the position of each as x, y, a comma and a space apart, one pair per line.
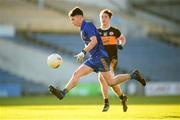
97, 62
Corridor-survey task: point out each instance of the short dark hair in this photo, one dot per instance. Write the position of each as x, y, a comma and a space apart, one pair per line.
107, 11
75, 11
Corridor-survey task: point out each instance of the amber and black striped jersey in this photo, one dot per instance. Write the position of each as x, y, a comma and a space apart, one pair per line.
109, 38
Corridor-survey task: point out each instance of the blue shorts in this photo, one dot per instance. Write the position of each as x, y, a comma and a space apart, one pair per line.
98, 64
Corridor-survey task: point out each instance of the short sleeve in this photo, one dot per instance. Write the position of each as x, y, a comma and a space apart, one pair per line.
90, 30
117, 33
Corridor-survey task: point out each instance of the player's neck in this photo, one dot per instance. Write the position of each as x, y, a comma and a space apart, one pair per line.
105, 27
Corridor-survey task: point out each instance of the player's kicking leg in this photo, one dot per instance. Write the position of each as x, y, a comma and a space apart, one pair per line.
120, 78
81, 71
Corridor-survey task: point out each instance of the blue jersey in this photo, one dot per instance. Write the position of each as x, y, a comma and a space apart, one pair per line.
87, 31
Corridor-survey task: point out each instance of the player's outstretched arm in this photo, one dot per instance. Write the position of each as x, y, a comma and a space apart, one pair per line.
81, 55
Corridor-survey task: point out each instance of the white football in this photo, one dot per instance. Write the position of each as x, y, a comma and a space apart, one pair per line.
54, 60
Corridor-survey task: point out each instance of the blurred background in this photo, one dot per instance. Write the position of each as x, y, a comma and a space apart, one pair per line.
30, 30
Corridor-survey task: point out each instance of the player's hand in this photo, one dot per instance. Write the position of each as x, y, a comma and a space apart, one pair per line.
120, 47
80, 57
121, 42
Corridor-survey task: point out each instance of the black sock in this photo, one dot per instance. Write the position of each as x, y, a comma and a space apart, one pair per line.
121, 97
106, 101
65, 91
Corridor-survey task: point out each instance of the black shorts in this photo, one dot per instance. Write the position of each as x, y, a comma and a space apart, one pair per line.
112, 53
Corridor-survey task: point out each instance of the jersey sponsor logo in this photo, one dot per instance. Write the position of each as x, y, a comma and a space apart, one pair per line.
109, 40
109, 37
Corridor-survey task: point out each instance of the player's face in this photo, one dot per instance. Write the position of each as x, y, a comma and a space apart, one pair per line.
105, 19
75, 20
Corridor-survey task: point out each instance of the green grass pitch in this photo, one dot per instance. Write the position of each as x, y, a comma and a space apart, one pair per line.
88, 108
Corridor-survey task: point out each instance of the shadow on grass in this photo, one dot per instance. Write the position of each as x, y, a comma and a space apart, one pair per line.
178, 117
85, 100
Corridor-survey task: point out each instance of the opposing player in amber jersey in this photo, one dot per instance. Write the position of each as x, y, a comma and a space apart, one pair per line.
112, 40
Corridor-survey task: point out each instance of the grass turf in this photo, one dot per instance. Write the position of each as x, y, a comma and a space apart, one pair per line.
87, 108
